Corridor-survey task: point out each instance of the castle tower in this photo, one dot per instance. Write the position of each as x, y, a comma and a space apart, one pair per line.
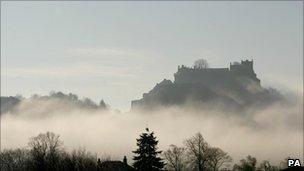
245, 68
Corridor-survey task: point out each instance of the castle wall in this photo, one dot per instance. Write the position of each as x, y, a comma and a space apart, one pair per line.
208, 77
219, 77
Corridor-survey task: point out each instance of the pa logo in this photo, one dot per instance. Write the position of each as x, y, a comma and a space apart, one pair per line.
294, 162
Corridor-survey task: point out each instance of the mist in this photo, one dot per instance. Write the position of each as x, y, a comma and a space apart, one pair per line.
272, 133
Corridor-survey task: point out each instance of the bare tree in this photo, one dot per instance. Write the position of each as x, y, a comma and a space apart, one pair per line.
284, 163
217, 158
46, 154
45, 149
246, 164
16, 159
197, 151
200, 64
83, 160
266, 166
175, 158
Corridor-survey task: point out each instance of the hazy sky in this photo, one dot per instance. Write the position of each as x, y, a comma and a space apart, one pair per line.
119, 50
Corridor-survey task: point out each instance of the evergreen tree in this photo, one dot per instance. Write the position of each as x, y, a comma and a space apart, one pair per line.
102, 104
146, 156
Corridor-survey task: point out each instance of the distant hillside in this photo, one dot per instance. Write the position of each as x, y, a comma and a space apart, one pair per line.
235, 87
69, 101
8, 103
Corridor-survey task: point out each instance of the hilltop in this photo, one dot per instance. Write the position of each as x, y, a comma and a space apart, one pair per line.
49, 103
235, 87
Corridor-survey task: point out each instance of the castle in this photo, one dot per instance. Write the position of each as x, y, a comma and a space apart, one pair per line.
216, 76
203, 83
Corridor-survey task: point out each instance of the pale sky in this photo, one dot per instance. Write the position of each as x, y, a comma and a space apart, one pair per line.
118, 50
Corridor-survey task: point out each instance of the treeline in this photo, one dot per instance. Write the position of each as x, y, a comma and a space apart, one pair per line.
198, 155
9, 104
73, 98
45, 152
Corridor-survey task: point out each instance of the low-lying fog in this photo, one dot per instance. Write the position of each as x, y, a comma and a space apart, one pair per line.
273, 133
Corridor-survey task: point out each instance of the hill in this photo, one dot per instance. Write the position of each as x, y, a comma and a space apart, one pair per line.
235, 87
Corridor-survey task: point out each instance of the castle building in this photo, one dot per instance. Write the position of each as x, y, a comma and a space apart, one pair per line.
216, 76
239, 79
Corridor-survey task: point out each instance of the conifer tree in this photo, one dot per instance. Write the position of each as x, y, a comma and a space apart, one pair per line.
146, 156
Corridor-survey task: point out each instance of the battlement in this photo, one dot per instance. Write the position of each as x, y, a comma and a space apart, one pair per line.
216, 76
185, 68
245, 66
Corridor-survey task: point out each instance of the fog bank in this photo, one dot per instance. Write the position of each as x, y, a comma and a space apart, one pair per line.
273, 133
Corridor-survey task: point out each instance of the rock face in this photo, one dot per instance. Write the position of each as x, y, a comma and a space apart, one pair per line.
237, 86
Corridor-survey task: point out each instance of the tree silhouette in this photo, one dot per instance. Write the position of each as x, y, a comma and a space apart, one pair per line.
266, 166
175, 158
45, 150
248, 164
102, 104
146, 156
198, 151
217, 158
200, 64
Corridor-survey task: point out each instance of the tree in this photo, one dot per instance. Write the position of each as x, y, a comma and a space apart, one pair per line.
102, 104
200, 64
175, 157
248, 164
17, 159
197, 151
217, 158
81, 159
146, 156
45, 149
266, 166
89, 103
46, 154
284, 163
